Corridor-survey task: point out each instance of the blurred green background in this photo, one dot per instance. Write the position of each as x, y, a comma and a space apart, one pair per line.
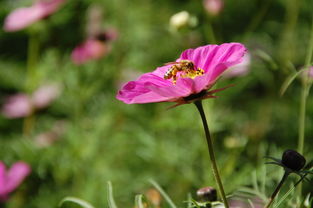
102, 139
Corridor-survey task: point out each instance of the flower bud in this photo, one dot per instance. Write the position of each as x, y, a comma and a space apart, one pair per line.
213, 7
293, 160
207, 194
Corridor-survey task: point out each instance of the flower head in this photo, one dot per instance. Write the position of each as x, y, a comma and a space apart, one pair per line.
213, 7
95, 47
23, 17
12, 178
187, 79
22, 105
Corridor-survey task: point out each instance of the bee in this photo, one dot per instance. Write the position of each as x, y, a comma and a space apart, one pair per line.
185, 66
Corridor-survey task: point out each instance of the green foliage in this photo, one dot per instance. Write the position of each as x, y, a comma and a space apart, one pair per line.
103, 139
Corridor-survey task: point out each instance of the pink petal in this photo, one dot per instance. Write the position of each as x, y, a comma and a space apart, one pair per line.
17, 106
214, 60
2, 179
16, 175
23, 17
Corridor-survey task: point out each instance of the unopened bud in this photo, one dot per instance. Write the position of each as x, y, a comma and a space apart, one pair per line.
293, 160
207, 194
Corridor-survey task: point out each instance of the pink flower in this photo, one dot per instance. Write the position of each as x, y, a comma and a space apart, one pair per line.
23, 17
186, 80
12, 178
22, 105
17, 106
240, 69
91, 49
95, 47
213, 7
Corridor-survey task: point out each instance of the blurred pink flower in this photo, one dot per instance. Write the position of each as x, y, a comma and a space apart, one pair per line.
22, 105
213, 7
198, 71
23, 17
91, 49
17, 106
94, 47
12, 178
240, 69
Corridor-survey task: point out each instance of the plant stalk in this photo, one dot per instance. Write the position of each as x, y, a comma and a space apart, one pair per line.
274, 194
211, 152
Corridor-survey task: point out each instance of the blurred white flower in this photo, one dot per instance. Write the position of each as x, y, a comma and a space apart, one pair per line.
182, 19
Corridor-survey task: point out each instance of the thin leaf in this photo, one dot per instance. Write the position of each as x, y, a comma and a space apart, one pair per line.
289, 80
166, 197
110, 196
138, 201
75, 200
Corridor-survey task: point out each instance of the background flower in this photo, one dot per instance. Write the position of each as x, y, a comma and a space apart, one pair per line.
23, 17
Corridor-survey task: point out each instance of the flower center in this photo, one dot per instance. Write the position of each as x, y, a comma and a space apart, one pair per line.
184, 69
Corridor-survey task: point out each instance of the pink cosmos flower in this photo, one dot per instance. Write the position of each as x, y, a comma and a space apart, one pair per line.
17, 106
12, 178
95, 47
91, 49
23, 17
199, 70
22, 105
213, 7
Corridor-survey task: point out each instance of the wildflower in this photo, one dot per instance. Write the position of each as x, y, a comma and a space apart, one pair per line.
12, 178
17, 106
23, 17
240, 69
213, 7
22, 105
191, 76
95, 47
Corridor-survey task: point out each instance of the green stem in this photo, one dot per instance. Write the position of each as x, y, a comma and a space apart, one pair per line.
211, 152
274, 194
31, 76
306, 84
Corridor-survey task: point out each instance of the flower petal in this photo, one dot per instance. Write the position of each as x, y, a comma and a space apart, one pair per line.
16, 175
2, 179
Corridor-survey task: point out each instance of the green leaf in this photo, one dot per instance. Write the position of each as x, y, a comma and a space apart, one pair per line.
75, 200
166, 197
110, 196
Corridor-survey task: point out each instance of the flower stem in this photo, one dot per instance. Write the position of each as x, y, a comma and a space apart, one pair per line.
31, 76
306, 84
211, 152
274, 194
